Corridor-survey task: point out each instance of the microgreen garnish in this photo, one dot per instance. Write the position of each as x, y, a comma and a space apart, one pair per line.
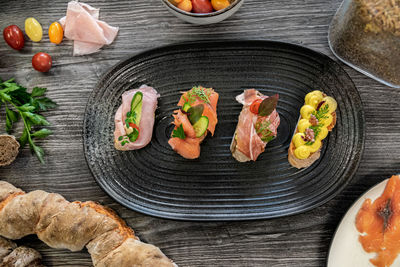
268, 105
263, 129
178, 132
198, 92
321, 112
19, 104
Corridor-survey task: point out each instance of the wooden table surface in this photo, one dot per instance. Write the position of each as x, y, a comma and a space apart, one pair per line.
301, 240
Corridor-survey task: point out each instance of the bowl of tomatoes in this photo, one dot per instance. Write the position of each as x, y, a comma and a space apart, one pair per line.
203, 11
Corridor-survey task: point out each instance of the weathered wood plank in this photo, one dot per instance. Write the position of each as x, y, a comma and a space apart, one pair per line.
301, 240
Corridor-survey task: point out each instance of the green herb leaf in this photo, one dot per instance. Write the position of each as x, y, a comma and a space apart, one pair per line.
42, 133
268, 105
27, 107
38, 91
120, 138
11, 117
24, 138
36, 119
194, 113
179, 133
37, 150
133, 135
43, 104
200, 93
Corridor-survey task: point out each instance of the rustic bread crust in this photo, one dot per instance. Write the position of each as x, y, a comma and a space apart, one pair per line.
9, 148
304, 163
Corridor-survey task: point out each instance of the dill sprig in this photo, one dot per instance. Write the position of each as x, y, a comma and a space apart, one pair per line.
198, 92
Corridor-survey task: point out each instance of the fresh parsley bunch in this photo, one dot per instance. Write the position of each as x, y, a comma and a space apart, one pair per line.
20, 104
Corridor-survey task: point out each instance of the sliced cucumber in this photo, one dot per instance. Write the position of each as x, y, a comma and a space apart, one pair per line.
200, 127
136, 106
186, 107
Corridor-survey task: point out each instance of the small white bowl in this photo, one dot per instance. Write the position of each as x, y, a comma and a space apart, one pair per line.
204, 18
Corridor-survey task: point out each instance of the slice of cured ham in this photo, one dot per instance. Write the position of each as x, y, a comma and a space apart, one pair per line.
146, 124
82, 25
247, 143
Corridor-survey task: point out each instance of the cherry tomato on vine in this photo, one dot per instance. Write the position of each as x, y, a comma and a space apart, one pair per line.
56, 33
255, 106
202, 6
41, 62
14, 37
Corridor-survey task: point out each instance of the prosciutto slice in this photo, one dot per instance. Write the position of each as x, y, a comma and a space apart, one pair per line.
246, 143
82, 25
146, 124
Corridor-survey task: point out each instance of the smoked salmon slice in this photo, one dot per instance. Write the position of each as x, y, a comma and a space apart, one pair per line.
379, 224
185, 139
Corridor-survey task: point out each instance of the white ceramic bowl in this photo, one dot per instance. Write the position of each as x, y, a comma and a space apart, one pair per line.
204, 18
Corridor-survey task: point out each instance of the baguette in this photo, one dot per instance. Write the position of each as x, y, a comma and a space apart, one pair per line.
74, 225
313, 156
9, 148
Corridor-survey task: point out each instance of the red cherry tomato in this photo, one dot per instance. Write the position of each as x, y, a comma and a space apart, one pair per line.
255, 106
41, 62
202, 6
134, 126
14, 37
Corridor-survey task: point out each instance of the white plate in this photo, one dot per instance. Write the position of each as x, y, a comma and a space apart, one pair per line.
346, 250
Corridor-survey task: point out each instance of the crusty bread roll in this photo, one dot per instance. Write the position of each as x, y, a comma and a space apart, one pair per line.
13, 256
304, 163
9, 148
74, 225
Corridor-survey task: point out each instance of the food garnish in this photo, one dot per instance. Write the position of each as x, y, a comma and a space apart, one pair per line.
194, 113
178, 132
19, 104
42, 62
133, 120
14, 37
198, 92
33, 29
75, 225
268, 105
378, 224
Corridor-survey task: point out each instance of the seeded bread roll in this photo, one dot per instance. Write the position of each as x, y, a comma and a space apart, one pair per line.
9, 148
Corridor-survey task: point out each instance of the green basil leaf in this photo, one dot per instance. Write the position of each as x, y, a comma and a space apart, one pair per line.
194, 113
268, 105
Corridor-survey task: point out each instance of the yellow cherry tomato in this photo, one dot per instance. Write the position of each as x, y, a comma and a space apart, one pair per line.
303, 125
56, 33
315, 146
323, 133
298, 139
33, 29
313, 93
185, 5
331, 102
220, 4
306, 111
302, 152
327, 121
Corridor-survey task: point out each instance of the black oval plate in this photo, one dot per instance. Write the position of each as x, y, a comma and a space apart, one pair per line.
157, 181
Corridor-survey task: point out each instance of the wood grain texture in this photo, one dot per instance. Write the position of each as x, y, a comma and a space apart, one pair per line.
301, 240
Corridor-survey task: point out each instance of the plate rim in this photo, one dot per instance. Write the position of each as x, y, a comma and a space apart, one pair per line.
191, 217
